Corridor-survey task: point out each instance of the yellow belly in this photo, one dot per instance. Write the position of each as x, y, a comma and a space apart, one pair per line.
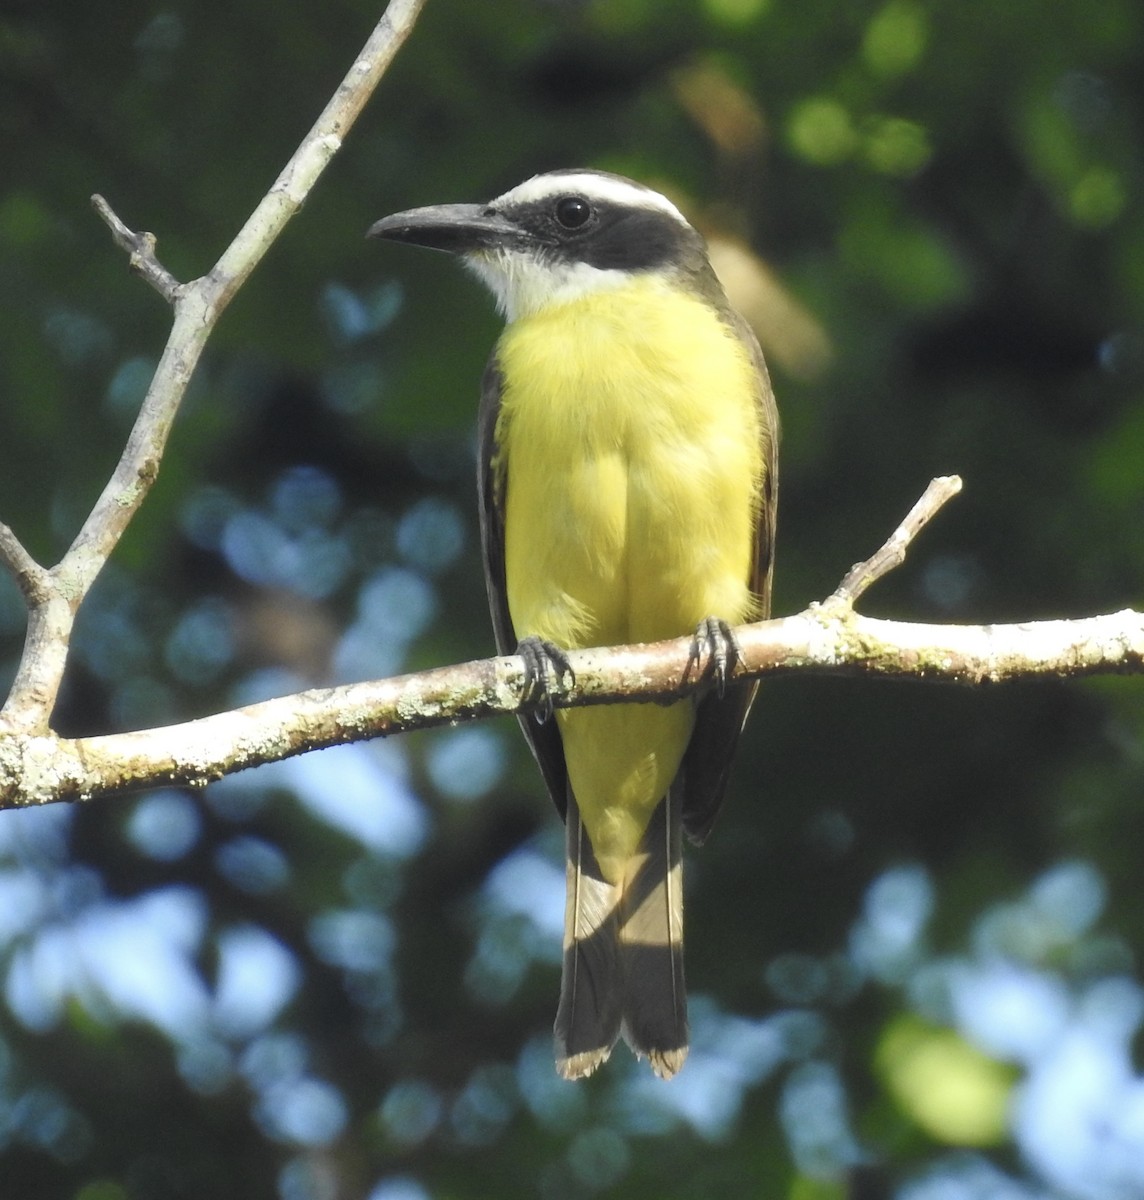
629, 427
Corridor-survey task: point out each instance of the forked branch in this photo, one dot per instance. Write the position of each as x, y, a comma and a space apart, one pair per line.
54, 596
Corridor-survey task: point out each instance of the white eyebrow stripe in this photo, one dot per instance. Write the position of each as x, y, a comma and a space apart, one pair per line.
593, 187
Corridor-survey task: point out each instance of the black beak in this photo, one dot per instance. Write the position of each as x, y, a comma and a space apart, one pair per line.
456, 228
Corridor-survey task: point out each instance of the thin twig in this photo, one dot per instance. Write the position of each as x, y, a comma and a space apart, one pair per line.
32, 579
892, 553
141, 248
324, 140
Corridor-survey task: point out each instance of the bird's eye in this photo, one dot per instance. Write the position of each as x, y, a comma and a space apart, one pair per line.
572, 212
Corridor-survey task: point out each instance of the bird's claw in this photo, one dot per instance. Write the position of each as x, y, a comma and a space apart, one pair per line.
718, 638
538, 655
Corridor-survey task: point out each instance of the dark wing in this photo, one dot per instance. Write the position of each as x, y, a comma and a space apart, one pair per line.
719, 720
492, 476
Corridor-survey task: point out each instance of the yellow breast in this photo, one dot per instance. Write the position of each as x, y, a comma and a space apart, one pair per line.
629, 431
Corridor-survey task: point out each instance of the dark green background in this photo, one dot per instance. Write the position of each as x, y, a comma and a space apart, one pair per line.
949, 196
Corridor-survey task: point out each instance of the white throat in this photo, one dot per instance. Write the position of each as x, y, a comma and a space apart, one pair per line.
524, 285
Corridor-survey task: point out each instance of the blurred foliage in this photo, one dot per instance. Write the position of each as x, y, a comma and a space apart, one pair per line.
915, 937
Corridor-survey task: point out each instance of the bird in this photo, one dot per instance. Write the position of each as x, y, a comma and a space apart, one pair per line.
628, 484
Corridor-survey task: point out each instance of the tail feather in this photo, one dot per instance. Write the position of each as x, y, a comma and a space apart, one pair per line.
651, 943
623, 951
589, 1015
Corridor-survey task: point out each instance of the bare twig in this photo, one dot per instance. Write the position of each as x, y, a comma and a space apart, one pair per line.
29, 575
141, 248
892, 553
323, 141
198, 306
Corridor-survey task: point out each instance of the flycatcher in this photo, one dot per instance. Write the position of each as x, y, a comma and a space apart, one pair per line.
628, 480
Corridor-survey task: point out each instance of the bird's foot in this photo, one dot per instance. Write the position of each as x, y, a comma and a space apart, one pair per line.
718, 639
538, 656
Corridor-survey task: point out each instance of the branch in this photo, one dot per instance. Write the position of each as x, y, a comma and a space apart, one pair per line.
37, 767
30, 577
892, 553
323, 141
141, 248
198, 306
